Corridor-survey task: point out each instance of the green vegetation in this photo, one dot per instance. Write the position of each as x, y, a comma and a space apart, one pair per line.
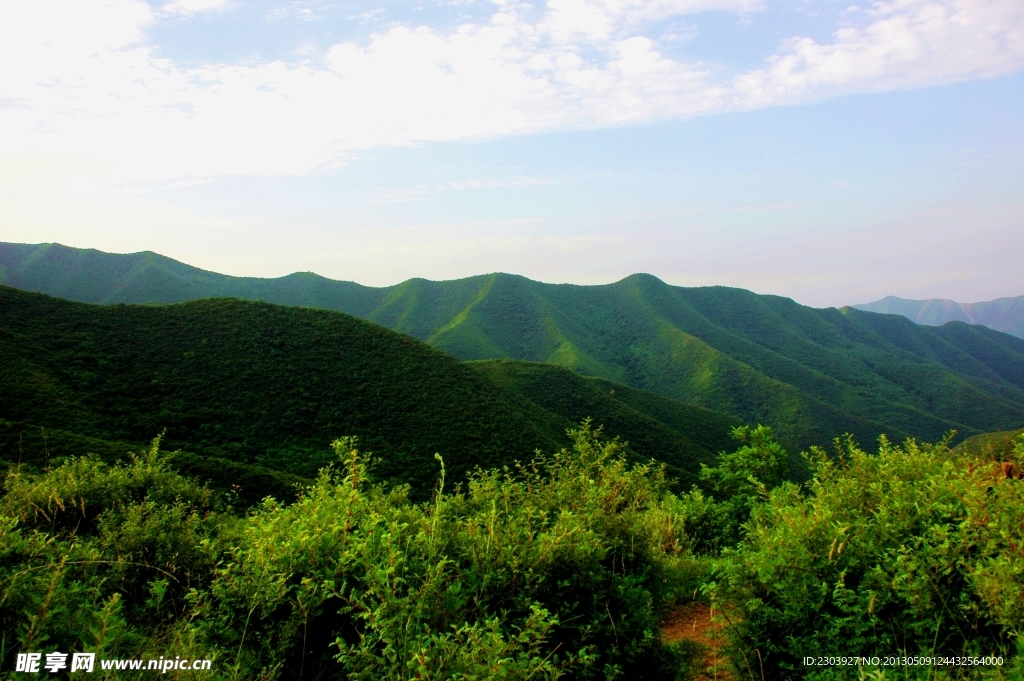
911, 551
681, 436
562, 568
557, 569
31, 448
256, 384
461, 548
92, 276
993, 445
252, 394
810, 374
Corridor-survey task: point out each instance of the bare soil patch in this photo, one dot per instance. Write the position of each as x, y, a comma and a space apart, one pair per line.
694, 623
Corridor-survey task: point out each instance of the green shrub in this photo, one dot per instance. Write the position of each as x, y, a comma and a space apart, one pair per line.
911, 551
559, 568
97, 558
562, 568
740, 481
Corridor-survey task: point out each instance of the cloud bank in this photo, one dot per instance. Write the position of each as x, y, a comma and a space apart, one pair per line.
83, 87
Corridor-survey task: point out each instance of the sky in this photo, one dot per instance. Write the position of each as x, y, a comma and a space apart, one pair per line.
832, 152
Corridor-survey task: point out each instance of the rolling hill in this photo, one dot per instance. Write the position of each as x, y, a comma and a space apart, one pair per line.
1002, 314
812, 374
259, 390
91, 276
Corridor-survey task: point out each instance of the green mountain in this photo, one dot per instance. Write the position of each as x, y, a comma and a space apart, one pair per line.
91, 276
812, 374
1002, 314
650, 422
254, 389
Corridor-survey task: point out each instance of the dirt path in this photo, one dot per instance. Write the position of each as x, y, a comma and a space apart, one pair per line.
693, 622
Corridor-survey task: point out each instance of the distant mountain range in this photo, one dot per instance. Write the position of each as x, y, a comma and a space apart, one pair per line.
812, 374
1002, 314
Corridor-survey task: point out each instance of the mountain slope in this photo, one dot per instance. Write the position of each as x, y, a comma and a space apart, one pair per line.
262, 384
256, 383
27, 447
91, 276
1002, 314
685, 435
812, 374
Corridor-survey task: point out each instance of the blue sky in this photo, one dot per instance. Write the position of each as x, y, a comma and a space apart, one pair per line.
826, 151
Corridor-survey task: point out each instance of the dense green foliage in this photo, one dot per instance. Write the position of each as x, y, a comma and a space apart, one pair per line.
681, 436
246, 389
92, 276
100, 559
297, 560
558, 569
739, 482
561, 568
910, 551
255, 383
810, 374
31, 448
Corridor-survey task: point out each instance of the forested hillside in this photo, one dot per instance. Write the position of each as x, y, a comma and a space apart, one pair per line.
269, 387
811, 373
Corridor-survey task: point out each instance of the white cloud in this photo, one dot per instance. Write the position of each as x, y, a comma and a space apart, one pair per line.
194, 6
904, 43
609, 18
294, 10
87, 86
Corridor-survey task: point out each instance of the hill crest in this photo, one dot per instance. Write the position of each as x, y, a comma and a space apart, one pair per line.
812, 374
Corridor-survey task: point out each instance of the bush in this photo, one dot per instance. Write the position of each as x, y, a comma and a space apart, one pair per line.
97, 558
561, 568
911, 551
740, 482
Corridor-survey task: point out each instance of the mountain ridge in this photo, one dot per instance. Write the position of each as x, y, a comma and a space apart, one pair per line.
813, 374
